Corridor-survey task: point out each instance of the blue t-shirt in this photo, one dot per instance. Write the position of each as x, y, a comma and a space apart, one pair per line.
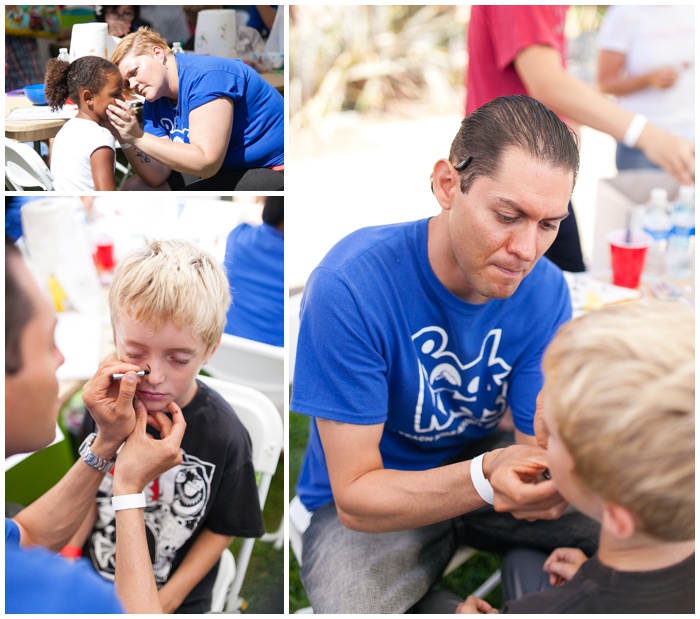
255, 265
38, 581
257, 134
382, 340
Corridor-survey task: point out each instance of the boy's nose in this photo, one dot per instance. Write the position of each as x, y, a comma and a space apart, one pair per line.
156, 376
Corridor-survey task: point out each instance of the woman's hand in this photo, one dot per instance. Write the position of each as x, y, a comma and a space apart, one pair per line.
123, 120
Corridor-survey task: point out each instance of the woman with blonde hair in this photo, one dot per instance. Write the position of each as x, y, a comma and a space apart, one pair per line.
223, 124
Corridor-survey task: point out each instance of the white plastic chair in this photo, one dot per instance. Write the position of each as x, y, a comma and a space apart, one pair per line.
294, 309
24, 168
300, 518
251, 363
262, 420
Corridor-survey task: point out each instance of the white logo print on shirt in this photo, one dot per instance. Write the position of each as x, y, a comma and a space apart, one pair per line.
470, 393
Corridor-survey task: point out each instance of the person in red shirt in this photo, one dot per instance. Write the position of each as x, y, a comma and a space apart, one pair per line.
522, 50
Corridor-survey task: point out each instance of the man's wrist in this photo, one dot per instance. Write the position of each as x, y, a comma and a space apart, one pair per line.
634, 130
104, 447
479, 481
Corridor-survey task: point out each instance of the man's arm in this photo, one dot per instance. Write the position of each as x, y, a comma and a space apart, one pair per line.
539, 67
202, 556
374, 499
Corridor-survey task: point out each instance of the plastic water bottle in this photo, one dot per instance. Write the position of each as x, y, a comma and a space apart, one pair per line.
177, 48
63, 54
657, 224
681, 241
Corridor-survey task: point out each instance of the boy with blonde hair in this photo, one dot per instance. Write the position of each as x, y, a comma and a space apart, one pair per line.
619, 411
168, 305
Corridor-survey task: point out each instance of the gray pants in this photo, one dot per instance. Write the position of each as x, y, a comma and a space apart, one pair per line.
346, 571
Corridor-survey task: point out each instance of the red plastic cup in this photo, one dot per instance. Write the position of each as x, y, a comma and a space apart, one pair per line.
104, 256
627, 257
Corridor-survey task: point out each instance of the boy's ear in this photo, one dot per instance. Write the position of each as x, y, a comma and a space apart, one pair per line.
619, 521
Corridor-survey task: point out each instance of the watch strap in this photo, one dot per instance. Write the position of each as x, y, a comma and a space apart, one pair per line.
93, 460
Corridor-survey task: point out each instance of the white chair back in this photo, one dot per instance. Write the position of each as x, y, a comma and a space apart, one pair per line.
24, 167
254, 364
262, 420
294, 309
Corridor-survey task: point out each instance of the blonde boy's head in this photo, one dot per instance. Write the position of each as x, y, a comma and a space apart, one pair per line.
620, 383
172, 280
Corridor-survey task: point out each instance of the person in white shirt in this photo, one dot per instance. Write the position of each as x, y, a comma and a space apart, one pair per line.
647, 60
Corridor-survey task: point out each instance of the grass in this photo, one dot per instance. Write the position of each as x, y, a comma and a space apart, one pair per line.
263, 587
462, 581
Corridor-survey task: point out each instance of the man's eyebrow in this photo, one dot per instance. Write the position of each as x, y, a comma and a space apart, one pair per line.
516, 207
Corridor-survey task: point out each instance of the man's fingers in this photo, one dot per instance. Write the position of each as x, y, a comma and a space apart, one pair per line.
164, 423
141, 414
127, 388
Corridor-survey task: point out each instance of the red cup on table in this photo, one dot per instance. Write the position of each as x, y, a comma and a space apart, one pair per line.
104, 254
628, 253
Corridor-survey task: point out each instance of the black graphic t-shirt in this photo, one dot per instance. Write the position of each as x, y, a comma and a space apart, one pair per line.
213, 487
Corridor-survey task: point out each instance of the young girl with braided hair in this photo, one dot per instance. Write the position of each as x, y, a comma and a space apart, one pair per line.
83, 156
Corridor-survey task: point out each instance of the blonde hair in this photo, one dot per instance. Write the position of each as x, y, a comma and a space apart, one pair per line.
140, 42
172, 280
621, 385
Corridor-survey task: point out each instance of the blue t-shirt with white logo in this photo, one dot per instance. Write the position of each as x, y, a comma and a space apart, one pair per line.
382, 340
257, 135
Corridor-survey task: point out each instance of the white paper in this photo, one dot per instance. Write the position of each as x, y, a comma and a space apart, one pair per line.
42, 112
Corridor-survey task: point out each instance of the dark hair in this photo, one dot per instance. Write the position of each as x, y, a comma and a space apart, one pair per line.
65, 79
102, 9
273, 211
506, 122
19, 310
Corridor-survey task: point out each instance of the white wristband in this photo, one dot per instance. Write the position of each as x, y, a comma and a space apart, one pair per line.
481, 484
125, 145
634, 130
129, 501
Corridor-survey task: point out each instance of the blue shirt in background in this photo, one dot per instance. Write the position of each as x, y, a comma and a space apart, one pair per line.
255, 265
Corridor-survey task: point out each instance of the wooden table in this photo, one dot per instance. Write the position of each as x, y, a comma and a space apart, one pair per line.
29, 130
276, 80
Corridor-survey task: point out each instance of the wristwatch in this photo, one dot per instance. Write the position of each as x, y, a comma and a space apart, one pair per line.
92, 460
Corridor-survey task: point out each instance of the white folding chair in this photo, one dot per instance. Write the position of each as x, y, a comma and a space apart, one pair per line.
262, 420
294, 309
250, 363
24, 168
300, 518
